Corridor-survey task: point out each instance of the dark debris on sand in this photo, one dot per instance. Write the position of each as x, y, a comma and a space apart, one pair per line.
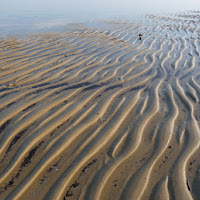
69, 193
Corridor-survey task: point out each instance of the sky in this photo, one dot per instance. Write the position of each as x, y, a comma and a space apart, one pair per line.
98, 6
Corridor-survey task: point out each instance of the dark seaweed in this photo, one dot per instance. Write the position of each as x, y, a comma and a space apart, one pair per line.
2, 128
32, 105
69, 193
26, 161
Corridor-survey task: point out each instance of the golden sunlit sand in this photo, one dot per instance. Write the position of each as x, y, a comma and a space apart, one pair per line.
108, 111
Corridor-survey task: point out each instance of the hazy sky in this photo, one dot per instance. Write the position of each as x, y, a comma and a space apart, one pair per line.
97, 4
81, 8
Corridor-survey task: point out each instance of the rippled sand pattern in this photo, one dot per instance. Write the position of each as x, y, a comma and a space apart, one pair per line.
96, 113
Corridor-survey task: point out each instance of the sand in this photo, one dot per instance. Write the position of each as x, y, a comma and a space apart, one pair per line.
95, 113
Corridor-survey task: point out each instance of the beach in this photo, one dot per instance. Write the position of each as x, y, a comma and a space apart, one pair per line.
105, 111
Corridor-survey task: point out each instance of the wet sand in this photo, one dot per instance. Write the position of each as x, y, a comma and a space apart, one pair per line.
96, 113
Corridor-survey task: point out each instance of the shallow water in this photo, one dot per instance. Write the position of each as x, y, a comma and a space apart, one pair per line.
20, 16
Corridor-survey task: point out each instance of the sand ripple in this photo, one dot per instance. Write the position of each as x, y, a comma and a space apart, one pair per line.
96, 113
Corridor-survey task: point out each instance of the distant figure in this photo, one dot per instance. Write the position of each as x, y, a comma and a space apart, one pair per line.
140, 36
